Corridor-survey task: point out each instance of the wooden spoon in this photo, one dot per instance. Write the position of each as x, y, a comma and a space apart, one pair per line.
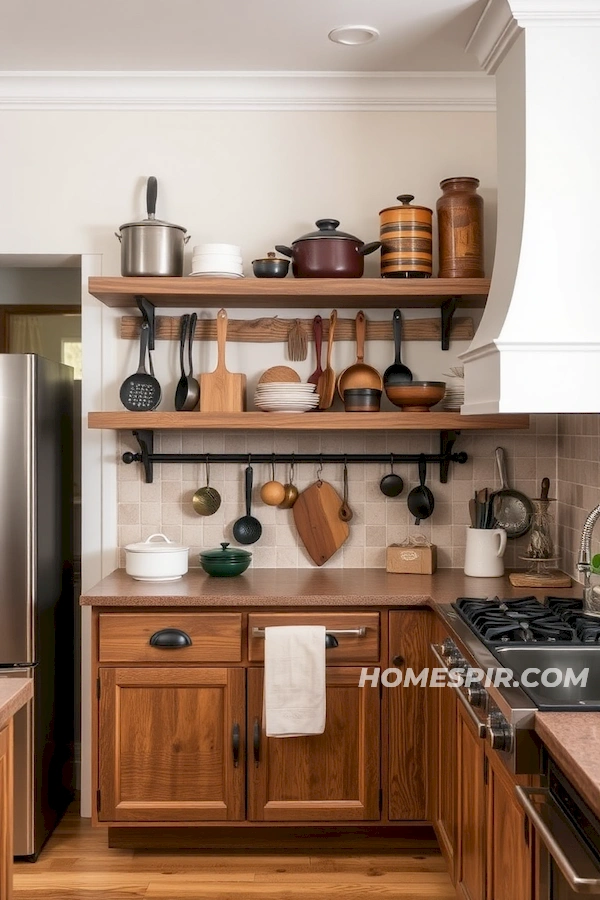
318, 333
326, 383
359, 375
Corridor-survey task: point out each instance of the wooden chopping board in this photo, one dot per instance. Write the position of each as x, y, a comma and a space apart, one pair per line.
222, 391
316, 514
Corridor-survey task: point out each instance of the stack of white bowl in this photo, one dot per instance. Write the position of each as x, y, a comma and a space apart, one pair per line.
455, 389
217, 261
286, 397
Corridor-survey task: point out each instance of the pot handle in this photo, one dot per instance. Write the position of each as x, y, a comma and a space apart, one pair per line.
151, 192
369, 248
160, 535
186, 238
119, 236
286, 251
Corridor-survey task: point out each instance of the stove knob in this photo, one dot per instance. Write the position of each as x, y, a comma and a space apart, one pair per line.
452, 655
477, 696
499, 733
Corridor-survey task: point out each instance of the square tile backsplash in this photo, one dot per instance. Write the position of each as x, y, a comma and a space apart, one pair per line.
166, 505
578, 483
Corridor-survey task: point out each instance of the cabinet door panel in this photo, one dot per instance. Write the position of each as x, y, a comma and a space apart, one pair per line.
471, 811
6, 812
166, 744
321, 777
408, 709
509, 855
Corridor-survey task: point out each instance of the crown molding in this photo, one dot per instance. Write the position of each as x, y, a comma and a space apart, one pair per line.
198, 91
502, 20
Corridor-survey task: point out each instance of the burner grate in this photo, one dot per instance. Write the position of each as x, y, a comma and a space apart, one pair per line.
528, 621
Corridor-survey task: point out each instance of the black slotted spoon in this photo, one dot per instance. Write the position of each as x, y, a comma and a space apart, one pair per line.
141, 391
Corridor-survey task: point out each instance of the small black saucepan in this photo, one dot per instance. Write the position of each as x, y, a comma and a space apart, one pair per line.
391, 484
420, 500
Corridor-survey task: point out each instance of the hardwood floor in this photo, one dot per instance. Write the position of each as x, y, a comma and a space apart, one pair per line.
77, 865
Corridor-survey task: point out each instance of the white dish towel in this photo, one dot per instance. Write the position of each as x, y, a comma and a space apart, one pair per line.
294, 692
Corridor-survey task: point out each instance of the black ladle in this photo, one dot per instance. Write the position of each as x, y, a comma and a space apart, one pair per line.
188, 389
397, 373
420, 500
391, 485
247, 529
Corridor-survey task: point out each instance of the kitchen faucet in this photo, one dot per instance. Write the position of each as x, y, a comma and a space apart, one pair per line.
591, 602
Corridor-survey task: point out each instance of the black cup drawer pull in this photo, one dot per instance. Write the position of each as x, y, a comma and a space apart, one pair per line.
170, 639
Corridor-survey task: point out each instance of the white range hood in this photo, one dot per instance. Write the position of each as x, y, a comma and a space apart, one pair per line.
537, 348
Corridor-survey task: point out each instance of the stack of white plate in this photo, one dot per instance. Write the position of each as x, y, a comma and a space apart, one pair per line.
217, 261
454, 397
286, 397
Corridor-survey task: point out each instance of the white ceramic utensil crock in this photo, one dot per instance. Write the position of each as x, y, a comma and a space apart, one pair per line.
156, 561
485, 551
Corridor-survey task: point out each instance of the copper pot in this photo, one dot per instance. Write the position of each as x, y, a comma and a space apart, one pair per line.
406, 246
328, 253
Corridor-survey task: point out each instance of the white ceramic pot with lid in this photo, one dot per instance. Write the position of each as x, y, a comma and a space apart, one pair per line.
152, 560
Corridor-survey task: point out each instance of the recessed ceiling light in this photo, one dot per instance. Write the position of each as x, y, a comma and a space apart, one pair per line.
352, 35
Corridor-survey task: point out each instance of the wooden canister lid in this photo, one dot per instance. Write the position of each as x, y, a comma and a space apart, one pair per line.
406, 201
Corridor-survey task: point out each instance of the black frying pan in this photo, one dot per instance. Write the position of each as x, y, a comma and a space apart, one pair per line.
420, 500
513, 510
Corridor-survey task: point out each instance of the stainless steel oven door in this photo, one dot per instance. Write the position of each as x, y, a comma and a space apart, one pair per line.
567, 868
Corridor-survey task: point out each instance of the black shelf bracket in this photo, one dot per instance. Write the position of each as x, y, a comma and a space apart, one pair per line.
447, 312
148, 458
145, 440
447, 441
148, 312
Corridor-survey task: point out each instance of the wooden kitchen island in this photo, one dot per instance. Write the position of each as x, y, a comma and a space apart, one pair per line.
14, 694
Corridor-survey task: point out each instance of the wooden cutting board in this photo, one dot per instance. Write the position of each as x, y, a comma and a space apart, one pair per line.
317, 518
222, 391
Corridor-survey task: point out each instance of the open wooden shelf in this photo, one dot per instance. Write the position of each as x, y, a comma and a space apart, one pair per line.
322, 421
303, 293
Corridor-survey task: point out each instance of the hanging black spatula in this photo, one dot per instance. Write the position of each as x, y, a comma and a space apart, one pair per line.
141, 391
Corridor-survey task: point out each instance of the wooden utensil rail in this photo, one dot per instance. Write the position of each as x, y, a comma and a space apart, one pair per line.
149, 458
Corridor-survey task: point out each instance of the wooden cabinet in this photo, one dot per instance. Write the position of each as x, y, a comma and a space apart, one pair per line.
326, 777
443, 764
171, 744
509, 851
408, 710
6, 812
471, 795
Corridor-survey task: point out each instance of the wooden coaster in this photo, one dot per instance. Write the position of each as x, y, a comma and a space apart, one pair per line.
546, 580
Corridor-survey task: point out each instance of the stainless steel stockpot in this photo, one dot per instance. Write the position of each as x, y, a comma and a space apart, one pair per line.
152, 247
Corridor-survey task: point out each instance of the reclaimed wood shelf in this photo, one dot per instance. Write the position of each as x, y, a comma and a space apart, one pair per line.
303, 293
123, 420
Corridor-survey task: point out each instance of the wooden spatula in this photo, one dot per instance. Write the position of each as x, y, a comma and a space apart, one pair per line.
326, 383
222, 391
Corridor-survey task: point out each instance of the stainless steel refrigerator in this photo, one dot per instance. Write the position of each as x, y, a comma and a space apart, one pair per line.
36, 584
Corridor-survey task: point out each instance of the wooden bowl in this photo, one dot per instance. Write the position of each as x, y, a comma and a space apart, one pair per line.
416, 396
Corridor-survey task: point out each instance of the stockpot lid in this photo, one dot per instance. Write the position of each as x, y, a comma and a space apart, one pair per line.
328, 228
406, 203
225, 552
150, 546
152, 221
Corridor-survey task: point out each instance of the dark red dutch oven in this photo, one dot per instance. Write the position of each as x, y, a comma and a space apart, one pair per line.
328, 253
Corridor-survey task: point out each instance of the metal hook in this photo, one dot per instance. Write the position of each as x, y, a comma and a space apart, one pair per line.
292, 468
207, 463
392, 462
320, 471
273, 467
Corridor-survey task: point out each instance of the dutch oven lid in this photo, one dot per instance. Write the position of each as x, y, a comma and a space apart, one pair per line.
406, 201
149, 546
328, 229
151, 194
231, 554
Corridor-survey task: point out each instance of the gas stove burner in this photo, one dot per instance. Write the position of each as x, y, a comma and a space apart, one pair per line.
528, 621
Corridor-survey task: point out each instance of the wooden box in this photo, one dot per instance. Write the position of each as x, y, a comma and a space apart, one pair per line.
407, 560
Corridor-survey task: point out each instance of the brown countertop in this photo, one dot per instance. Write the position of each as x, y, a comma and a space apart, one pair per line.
14, 693
573, 740
303, 587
